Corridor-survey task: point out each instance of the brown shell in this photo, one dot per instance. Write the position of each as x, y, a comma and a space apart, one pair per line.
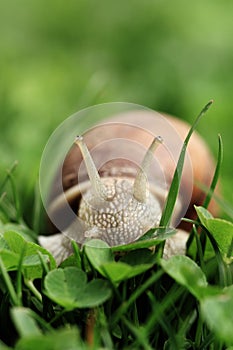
201, 158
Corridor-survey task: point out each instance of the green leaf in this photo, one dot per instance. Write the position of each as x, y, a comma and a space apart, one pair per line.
98, 253
187, 273
95, 293
59, 339
33, 260
152, 238
24, 322
101, 257
22, 230
14, 241
139, 257
68, 287
36, 271
221, 230
10, 259
203, 214
119, 271
3, 243
64, 285
16, 244
70, 261
217, 311
116, 271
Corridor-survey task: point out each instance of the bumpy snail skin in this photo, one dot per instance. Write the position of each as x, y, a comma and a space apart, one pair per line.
175, 245
121, 220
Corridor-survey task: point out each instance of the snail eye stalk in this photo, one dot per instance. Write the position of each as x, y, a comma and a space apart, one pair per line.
93, 174
140, 191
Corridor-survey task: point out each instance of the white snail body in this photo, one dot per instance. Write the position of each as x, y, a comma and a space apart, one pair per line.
118, 203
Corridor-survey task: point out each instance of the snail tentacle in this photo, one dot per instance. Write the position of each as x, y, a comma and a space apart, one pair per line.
93, 174
140, 190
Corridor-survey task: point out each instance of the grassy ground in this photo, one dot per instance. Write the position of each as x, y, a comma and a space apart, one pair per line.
122, 297
55, 59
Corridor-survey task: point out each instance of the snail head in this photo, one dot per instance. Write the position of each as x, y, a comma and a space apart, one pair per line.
118, 210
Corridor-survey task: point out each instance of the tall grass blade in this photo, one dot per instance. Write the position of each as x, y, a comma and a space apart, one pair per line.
36, 216
8, 173
14, 298
134, 296
216, 173
221, 266
225, 205
175, 185
16, 201
19, 274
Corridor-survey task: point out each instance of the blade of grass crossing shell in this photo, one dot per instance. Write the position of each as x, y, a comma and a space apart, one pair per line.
175, 185
216, 173
210, 191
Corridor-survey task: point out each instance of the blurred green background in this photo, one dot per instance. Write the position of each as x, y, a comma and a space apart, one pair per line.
57, 57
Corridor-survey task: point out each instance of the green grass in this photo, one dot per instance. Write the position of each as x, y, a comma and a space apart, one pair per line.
55, 59
126, 297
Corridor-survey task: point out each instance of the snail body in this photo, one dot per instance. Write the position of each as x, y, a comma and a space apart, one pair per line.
119, 202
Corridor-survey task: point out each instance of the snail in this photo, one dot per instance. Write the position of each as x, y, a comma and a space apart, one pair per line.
103, 188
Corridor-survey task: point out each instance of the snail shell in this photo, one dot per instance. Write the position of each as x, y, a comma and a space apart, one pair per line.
114, 145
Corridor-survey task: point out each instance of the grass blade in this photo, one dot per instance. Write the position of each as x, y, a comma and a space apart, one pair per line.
134, 296
175, 185
8, 174
216, 173
19, 274
36, 214
139, 335
14, 298
221, 266
226, 207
